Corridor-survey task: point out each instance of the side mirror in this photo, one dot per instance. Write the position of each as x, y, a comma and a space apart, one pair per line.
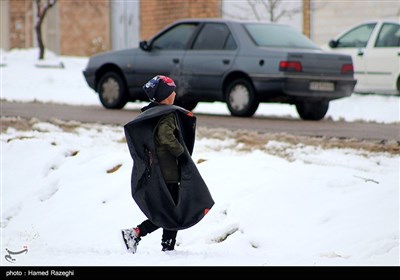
144, 46
333, 43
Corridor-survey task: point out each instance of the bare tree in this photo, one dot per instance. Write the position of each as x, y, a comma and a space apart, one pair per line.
272, 8
42, 6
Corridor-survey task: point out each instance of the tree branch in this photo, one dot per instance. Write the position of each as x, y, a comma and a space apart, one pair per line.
252, 5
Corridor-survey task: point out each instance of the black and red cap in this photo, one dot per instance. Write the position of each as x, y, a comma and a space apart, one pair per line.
159, 88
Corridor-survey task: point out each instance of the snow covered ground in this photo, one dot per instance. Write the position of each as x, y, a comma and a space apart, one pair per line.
65, 189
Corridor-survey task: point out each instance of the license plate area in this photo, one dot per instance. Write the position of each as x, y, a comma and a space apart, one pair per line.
322, 86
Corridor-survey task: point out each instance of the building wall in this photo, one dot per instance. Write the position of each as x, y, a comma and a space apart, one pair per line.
20, 24
329, 18
84, 26
4, 25
125, 24
242, 10
156, 14
307, 18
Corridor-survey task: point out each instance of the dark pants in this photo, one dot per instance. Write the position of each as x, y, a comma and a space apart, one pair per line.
148, 227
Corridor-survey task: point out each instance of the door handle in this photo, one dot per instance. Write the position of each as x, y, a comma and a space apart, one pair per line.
175, 60
360, 52
226, 61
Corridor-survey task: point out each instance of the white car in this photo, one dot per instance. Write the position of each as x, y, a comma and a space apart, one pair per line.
375, 49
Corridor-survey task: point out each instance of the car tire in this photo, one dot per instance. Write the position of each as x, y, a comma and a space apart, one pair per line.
188, 105
312, 110
241, 98
112, 91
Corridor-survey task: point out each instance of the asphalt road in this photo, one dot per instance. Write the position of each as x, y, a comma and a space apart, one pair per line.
97, 114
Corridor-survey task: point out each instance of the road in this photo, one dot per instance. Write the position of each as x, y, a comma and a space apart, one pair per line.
97, 114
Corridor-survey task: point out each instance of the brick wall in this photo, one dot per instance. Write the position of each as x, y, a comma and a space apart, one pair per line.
156, 14
306, 18
84, 26
21, 24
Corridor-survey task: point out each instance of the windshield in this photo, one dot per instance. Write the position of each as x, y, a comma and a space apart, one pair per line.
282, 36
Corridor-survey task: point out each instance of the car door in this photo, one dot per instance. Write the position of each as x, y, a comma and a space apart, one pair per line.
354, 43
382, 59
204, 64
164, 54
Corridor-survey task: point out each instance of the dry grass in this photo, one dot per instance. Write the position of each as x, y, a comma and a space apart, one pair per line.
16, 123
244, 140
69, 126
20, 138
73, 153
225, 235
201, 160
253, 140
114, 169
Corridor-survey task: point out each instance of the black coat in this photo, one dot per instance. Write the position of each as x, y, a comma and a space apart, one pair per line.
148, 187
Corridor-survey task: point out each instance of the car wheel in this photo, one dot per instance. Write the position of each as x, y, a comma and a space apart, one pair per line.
241, 98
112, 91
188, 105
312, 110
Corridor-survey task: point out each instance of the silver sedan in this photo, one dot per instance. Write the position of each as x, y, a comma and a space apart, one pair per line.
237, 62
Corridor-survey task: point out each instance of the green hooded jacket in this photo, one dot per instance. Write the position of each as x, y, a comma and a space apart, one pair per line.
168, 147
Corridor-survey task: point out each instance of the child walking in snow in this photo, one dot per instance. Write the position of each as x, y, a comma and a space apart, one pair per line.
171, 155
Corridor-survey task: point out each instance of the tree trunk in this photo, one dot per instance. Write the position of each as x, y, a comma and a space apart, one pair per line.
38, 29
40, 14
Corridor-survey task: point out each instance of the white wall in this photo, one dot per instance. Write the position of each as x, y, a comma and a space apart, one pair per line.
328, 17
240, 9
4, 25
125, 24
331, 17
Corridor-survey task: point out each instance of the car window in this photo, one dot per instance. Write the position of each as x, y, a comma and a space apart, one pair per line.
230, 43
282, 36
214, 36
389, 36
357, 37
175, 38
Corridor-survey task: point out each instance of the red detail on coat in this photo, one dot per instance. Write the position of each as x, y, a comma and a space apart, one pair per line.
137, 231
206, 211
189, 114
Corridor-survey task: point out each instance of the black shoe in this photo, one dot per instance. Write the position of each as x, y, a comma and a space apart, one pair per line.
168, 245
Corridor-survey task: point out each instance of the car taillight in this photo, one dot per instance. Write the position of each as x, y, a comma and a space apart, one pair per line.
347, 68
290, 66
